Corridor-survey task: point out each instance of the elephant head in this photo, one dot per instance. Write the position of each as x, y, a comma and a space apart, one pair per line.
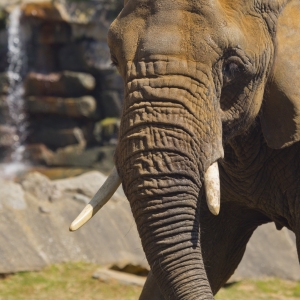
195, 75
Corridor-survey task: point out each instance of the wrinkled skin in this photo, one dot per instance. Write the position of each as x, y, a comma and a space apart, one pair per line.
195, 74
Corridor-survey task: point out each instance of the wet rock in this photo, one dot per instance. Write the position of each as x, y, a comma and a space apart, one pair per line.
85, 55
4, 83
106, 275
7, 136
40, 186
3, 104
12, 195
96, 31
111, 104
64, 84
44, 58
55, 138
3, 18
83, 12
72, 107
4, 111
3, 49
42, 10
37, 153
54, 33
111, 80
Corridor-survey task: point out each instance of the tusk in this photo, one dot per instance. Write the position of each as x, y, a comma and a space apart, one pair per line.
99, 200
212, 188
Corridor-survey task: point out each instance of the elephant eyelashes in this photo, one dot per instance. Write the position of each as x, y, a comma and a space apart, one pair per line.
231, 70
114, 61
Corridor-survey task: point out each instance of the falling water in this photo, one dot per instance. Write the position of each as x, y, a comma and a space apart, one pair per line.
16, 119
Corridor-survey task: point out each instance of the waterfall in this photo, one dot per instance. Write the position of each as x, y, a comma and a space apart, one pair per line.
16, 119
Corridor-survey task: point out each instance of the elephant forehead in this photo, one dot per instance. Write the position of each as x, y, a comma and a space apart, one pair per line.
191, 30
176, 32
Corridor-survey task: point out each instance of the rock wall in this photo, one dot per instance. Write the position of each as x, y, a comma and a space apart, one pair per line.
73, 96
35, 218
35, 214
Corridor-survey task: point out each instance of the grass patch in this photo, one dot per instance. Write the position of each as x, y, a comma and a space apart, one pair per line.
74, 281
267, 289
64, 281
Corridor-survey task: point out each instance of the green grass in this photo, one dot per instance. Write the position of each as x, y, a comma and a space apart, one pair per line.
74, 281
68, 281
269, 289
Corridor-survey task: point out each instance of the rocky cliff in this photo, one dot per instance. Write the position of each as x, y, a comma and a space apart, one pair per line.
72, 94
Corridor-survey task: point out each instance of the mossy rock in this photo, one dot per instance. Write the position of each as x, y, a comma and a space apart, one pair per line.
106, 131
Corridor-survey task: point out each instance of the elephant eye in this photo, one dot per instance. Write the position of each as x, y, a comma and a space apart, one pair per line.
231, 70
114, 61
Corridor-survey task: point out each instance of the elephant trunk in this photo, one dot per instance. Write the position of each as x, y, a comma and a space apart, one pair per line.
166, 212
164, 150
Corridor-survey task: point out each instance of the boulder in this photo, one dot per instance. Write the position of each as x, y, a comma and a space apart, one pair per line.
72, 107
101, 158
4, 83
83, 12
106, 275
7, 136
129, 268
3, 47
4, 111
86, 184
43, 58
12, 195
64, 84
55, 138
59, 172
38, 235
54, 33
41, 10
37, 153
270, 253
111, 104
40, 186
3, 17
111, 80
85, 55
96, 31
40, 230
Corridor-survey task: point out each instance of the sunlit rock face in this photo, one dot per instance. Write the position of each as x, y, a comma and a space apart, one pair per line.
66, 79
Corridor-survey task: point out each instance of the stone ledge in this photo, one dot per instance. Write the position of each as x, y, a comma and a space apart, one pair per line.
72, 107
64, 84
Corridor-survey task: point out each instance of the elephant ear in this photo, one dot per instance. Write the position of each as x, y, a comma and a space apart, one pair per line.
280, 117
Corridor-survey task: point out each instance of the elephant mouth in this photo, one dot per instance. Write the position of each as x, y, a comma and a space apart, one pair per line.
106, 191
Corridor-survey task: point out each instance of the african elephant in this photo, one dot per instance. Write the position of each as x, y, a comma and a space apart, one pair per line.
212, 107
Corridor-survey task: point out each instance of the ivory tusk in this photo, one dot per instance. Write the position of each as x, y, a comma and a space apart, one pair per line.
99, 200
212, 188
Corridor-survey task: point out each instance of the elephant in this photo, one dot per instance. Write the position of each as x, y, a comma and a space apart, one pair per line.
209, 139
